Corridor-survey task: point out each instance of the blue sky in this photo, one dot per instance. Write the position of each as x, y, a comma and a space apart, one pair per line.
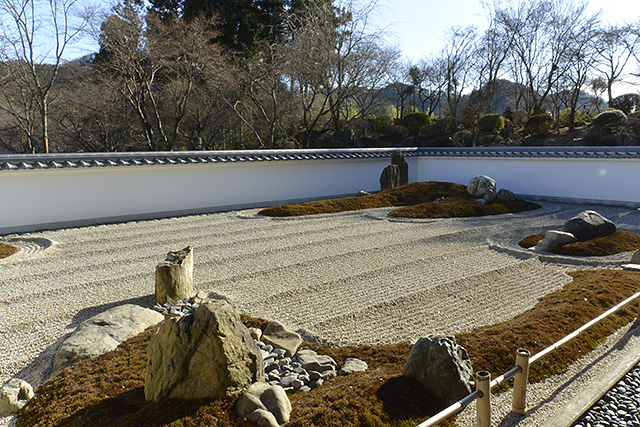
418, 26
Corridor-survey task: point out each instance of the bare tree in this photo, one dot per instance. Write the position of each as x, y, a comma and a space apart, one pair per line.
457, 60
614, 47
30, 26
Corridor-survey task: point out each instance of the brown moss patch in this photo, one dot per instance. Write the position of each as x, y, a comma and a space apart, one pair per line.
618, 242
7, 250
109, 390
418, 200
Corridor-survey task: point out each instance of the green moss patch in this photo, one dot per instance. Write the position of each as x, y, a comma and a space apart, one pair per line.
109, 390
618, 242
418, 200
7, 250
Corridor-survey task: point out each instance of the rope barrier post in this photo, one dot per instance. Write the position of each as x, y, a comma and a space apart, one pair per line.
484, 401
519, 404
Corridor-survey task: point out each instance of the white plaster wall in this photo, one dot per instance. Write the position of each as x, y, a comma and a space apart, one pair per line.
32, 199
589, 179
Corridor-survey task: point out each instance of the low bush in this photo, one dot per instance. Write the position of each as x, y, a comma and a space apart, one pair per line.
377, 123
580, 118
539, 125
415, 121
491, 123
394, 133
608, 118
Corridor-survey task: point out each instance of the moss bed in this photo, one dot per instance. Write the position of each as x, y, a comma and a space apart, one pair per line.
7, 250
416, 200
109, 390
618, 242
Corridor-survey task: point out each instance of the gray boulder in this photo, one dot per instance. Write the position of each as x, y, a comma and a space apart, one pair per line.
441, 366
208, 354
588, 225
352, 365
103, 333
312, 361
505, 195
280, 337
390, 177
14, 394
480, 186
270, 402
403, 167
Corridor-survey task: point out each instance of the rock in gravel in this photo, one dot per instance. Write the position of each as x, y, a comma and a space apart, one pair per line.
588, 225
261, 398
403, 167
441, 366
481, 185
280, 337
312, 361
554, 239
352, 365
174, 276
14, 394
103, 333
208, 354
390, 177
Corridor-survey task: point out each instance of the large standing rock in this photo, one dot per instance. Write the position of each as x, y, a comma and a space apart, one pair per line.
398, 159
264, 405
481, 186
441, 366
588, 225
390, 177
205, 355
280, 337
14, 394
174, 276
103, 333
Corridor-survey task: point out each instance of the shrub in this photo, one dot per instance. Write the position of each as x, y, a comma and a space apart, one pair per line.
539, 124
394, 133
609, 117
415, 121
491, 123
580, 118
379, 122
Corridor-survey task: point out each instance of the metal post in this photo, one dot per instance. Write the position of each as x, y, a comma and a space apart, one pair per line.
483, 379
519, 404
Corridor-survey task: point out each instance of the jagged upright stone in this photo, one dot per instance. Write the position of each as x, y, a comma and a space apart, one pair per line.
208, 354
174, 276
442, 366
280, 337
390, 177
398, 159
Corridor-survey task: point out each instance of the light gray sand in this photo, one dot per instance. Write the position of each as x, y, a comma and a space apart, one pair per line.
351, 278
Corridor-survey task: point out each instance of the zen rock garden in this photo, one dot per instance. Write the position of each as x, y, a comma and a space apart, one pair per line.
202, 350
585, 226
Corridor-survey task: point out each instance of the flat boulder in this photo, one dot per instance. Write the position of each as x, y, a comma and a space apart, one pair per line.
481, 186
588, 225
554, 239
279, 336
352, 365
103, 333
312, 361
208, 354
442, 367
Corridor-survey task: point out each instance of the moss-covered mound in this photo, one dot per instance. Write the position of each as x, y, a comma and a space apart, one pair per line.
7, 250
618, 242
431, 199
109, 390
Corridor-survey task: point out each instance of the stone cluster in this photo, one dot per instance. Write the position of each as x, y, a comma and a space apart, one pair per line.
305, 371
181, 307
485, 187
618, 407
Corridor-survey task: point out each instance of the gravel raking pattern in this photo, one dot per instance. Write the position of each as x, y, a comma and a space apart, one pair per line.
350, 278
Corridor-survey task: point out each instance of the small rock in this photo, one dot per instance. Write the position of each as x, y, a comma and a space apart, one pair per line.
305, 388
482, 202
14, 394
278, 336
316, 383
362, 193
352, 365
255, 333
264, 399
297, 383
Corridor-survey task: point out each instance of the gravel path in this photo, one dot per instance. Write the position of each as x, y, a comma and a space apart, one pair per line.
351, 278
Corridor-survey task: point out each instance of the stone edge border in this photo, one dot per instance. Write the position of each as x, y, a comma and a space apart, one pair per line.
584, 400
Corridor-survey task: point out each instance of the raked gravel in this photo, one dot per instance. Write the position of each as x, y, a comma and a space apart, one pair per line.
349, 278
